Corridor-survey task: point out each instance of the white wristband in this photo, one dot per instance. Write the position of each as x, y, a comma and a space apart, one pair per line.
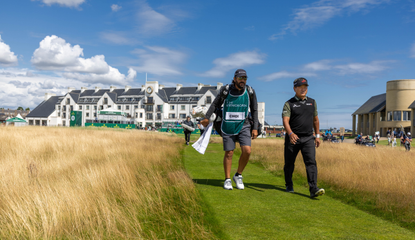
317, 135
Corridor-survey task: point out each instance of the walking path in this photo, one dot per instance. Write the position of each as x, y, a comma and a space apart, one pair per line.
265, 211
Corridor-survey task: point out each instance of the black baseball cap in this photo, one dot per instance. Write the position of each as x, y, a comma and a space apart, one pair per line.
300, 81
240, 73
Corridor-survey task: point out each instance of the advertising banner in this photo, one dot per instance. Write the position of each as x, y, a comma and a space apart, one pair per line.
76, 119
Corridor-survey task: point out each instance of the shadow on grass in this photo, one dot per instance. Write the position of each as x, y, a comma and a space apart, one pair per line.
260, 187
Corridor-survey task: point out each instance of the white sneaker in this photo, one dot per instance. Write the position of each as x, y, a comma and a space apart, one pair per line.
238, 181
228, 184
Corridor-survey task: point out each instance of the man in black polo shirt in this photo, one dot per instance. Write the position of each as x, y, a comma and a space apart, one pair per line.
300, 117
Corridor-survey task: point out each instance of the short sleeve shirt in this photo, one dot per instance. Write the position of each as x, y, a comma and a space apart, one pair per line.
286, 111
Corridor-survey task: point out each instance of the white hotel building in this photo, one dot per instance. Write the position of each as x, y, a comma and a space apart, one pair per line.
151, 105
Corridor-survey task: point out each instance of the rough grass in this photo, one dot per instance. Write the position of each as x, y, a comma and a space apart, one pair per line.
103, 184
377, 179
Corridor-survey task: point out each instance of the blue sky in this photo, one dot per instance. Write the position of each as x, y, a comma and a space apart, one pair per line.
347, 49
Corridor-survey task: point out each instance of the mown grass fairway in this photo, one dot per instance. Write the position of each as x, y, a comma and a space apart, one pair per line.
265, 211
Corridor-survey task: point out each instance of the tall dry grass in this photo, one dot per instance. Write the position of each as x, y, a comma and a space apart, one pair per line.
384, 176
101, 184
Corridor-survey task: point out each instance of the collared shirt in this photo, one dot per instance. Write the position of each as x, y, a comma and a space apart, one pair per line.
286, 111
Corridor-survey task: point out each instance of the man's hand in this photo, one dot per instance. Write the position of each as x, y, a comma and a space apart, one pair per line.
317, 142
204, 122
293, 138
254, 134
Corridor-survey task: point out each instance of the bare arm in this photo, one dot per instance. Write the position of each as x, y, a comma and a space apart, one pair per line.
316, 125
293, 137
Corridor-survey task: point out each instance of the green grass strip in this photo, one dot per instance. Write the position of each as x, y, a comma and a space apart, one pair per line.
265, 211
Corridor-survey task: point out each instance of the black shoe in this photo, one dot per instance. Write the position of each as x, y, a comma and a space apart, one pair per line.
289, 189
317, 192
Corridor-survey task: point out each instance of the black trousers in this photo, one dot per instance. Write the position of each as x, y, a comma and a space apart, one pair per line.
307, 146
202, 131
187, 135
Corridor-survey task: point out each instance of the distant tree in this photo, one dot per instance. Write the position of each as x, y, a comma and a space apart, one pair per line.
20, 108
27, 109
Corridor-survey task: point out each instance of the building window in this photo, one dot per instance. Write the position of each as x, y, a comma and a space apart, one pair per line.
64, 108
172, 115
68, 101
208, 99
406, 116
159, 108
171, 107
95, 114
109, 106
87, 107
71, 108
59, 107
136, 106
80, 107
105, 100
396, 115
64, 115
193, 106
149, 116
183, 107
389, 116
59, 114
149, 108
87, 114
183, 116
119, 107
101, 107
136, 115
95, 107
142, 107
158, 116
141, 115
127, 107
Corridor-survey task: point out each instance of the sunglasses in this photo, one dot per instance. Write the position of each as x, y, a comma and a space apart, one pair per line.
242, 78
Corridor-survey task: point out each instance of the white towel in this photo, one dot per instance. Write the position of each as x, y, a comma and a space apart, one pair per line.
201, 144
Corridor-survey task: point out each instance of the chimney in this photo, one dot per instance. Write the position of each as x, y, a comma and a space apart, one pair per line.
112, 88
219, 86
199, 86
83, 89
127, 88
161, 86
143, 88
97, 89
70, 89
178, 86
48, 95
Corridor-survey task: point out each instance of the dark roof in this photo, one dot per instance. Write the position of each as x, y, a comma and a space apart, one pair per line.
266, 124
113, 96
374, 104
412, 105
45, 108
162, 95
75, 96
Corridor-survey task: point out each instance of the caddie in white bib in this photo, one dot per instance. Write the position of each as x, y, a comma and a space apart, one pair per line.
235, 111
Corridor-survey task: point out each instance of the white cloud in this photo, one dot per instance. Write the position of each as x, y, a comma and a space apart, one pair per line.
65, 3
115, 7
118, 38
55, 54
151, 22
412, 51
320, 12
319, 65
349, 68
159, 61
28, 90
285, 74
112, 77
363, 68
233, 62
7, 57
